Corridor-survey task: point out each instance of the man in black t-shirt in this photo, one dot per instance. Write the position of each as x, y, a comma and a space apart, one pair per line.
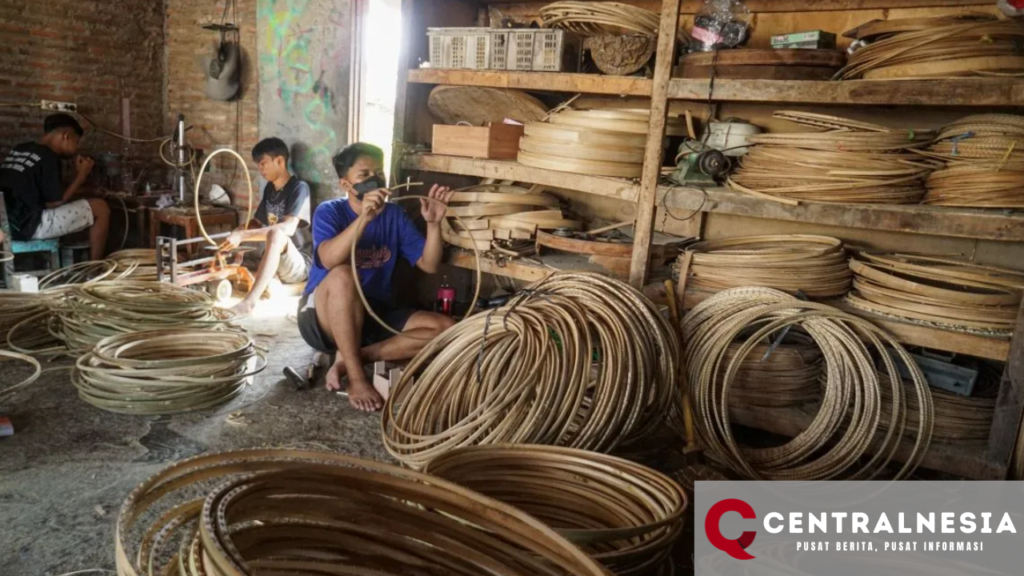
39, 205
281, 222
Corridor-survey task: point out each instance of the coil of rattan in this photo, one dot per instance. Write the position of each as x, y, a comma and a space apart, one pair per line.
984, 163
777, 375
815, 265
578, 360
836, 444
91, 312
849, 162
958, 419
24, 318
944, 47
166, 371
601, 18
943, 291
297, 512
624, 515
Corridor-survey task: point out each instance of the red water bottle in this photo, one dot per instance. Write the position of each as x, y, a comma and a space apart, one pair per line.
445, 300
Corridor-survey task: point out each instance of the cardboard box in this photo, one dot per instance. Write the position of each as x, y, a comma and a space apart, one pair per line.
496, 142
813, 39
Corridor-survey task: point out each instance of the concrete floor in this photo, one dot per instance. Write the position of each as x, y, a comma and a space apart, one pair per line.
69, 466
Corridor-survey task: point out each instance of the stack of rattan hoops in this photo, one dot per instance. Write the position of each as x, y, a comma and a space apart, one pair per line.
836, 443
489, 212
952, 293
849, 162
622, 514
984, 163
596, 142
776, 375
958, 419
595, 18
815, 265
944, 47
296, 512
578, 360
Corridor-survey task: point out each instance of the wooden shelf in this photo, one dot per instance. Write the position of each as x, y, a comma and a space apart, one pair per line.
960, 92
507, 170
989, 92
966, 460
913, 219
539, 81
989, 347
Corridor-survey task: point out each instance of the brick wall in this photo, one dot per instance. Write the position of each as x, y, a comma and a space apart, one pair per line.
233, 124
92, 53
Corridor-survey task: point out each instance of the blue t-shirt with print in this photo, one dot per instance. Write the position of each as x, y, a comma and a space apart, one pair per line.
389, 235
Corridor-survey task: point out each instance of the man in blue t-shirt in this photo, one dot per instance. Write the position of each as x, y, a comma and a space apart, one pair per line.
331, 316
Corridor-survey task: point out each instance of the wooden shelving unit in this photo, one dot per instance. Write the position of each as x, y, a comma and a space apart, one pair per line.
930, 220
935, 98
987, 92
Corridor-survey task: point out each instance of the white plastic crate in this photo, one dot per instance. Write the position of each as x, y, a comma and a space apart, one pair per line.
499, 49
542, 50
460, 48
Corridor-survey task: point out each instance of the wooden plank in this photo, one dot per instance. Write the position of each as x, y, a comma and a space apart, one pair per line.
966, 460
911, 334
1004, 440
960, 92
599, 185
692, 6
914, 219
542, 81
644, 227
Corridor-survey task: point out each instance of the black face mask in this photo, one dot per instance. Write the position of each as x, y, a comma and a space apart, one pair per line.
369, 185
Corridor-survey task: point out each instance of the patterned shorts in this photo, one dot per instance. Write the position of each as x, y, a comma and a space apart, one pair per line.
64, 219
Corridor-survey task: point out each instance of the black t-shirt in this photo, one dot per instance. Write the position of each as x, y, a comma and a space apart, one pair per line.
30, 177
292, 200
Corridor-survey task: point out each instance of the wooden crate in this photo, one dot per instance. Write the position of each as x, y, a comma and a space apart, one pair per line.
496, 142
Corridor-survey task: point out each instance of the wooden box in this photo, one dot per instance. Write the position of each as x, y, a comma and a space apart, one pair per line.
496, 142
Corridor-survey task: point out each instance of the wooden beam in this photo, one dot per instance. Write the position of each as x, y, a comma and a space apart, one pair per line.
905, 332
655, 150
1004, 441
500, 170
537, 81
966, 460
913, 219
960, 92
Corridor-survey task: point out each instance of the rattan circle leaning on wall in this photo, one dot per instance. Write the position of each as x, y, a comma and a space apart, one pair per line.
624, 515
297, 512
578, 360
836, 443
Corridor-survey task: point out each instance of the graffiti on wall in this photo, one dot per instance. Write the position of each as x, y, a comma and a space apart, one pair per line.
304, 68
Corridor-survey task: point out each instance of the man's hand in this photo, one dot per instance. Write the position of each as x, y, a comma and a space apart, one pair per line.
83, 166
373, 203
433, 212
232, 241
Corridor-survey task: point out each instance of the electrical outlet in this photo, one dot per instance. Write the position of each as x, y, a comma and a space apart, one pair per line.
54, 106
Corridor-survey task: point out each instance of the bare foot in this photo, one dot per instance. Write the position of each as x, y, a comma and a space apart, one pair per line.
243, 308
336, 372
362, 396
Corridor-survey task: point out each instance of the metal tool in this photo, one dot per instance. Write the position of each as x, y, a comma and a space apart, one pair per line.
215, 272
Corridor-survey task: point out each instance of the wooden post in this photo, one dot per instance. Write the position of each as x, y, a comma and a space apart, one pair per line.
1004, 440
667, 33
406, 62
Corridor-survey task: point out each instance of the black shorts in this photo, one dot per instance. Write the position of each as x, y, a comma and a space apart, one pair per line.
373, 332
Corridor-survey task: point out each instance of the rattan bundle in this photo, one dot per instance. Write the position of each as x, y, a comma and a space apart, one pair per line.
943, 291
944, 47
578, 360
135, 264
624, 515
599, 18
91, 312
984, 163
23, 320
814, 265
297, 512
847, 437
777, 375
488, 212
850, 162
166, 371
957, 418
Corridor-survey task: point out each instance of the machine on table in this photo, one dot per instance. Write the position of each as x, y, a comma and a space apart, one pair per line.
216, 273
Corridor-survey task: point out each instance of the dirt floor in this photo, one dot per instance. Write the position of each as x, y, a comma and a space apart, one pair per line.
69, 466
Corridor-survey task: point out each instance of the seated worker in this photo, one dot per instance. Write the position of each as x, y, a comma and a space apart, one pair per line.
281, 223
39, 205
331, 315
